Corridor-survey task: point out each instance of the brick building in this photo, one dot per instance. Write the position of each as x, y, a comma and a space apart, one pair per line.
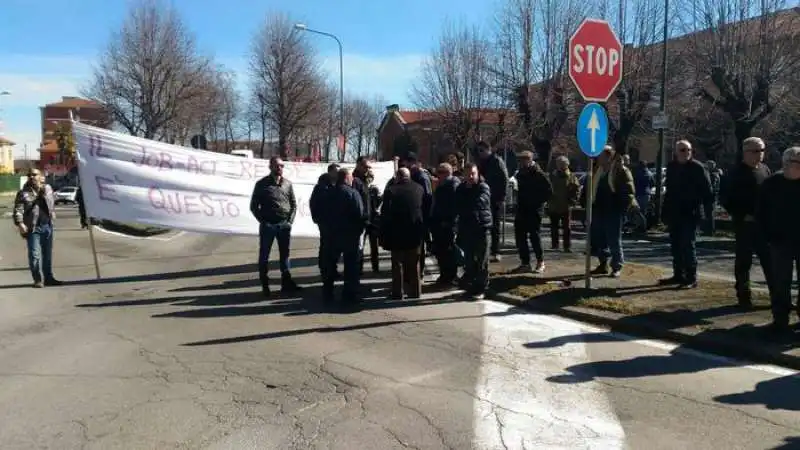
57, 114
427, 130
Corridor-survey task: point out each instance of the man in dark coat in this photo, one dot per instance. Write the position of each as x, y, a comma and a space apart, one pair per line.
319, 206
474, 209
494, 172
443, 224
345, 223
274, 206
534, 191
778, 219
362, 181
688, 189
402, 230
738, 196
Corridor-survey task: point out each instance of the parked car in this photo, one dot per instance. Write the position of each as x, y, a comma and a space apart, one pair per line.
66, 194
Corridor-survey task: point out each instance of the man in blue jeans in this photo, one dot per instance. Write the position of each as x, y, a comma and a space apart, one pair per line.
34, 212
274, 205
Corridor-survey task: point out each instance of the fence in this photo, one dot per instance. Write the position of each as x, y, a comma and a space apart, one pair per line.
9, 183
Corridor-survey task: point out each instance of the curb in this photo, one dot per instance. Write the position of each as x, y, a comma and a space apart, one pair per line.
720, 345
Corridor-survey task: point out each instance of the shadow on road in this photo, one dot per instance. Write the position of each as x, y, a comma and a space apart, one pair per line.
791, 443
779, 393
330, 329
205, 272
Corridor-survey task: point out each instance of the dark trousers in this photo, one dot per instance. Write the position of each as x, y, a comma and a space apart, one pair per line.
682, 244
476, 245
40, 252
709, 224
444, 249
424, 246
606, 235
497, 220
528, 226
347, 249
784, 258
405, 270
372, 238
561, 222
267, 235
749, 241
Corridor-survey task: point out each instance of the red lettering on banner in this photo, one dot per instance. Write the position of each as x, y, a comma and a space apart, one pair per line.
253, 170
201, 167
104, 191
96, 147
165, 161
146, 158
177, 203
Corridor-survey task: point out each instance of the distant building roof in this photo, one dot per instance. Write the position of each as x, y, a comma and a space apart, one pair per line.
4, 141
75, 102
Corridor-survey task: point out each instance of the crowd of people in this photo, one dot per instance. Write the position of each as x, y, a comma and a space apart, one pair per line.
456, 215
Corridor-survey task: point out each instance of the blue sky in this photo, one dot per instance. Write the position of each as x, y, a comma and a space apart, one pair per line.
48, 47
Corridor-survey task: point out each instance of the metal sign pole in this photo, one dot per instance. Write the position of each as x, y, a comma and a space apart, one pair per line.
589, 201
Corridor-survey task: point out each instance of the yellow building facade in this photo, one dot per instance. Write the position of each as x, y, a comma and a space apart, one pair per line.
6, 156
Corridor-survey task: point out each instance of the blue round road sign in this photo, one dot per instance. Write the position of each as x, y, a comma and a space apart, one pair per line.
592, 129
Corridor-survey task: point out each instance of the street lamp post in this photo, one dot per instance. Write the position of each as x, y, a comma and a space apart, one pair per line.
303, 27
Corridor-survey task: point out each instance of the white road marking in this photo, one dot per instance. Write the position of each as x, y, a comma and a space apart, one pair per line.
516, 407
667, 346
152, 238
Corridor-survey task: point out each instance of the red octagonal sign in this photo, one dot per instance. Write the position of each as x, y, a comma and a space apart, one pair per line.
595, 60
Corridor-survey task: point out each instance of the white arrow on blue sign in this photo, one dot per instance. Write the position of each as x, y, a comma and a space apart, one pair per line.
592, 129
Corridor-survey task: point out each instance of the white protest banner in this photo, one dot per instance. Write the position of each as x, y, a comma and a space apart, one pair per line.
134, 180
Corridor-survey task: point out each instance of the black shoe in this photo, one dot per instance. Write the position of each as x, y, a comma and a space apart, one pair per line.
602, 269
779, 331
265, 291
689, 285
53, 282
288, 285
673, 280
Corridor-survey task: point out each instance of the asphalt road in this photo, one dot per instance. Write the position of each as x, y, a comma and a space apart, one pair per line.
174, 348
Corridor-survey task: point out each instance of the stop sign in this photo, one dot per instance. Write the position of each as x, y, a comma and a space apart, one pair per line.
595, 60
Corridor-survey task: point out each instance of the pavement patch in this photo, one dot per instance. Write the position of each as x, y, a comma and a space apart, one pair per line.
706, 318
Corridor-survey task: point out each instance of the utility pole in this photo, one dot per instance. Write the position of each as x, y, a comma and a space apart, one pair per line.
303, 27
662, 106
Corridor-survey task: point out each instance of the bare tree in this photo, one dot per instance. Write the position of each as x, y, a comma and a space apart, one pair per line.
361, 123
221, 110
149, 69
639, 26
286, 78
454, 83
745, 55
531, 67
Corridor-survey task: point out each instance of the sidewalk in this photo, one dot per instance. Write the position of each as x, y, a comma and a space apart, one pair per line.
706, 318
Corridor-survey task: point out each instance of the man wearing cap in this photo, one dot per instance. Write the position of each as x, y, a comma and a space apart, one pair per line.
566, 190
34, 212
534, 191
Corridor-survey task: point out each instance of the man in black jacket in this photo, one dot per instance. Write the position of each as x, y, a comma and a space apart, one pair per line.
778, 219
362, 182
274, 205
534, 191
345, 224
474, 209
493, 170
402, 228
688, 189
443, 223
319, 206
739, 195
